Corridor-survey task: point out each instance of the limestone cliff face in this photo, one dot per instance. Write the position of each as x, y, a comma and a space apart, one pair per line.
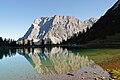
56, 29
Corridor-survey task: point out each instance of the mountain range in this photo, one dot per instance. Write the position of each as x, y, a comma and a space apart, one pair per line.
55, 30
105, 32
70, 30
107, 25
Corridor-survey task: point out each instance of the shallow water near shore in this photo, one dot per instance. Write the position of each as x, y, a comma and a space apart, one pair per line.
56, 63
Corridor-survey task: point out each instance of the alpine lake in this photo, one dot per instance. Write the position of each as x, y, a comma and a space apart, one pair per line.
57, 63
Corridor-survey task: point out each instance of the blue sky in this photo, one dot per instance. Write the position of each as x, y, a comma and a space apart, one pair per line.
16, 16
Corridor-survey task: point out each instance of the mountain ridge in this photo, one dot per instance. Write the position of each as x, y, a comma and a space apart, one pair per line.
56, 29
104, 33
107, 24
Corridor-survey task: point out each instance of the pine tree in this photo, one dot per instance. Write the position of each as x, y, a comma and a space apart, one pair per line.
42, 42
1, 41
28, 42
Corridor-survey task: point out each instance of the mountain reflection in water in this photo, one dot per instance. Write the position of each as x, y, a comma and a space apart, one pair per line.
58, 60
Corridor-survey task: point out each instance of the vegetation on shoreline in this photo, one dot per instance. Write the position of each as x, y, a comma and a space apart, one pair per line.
7, 42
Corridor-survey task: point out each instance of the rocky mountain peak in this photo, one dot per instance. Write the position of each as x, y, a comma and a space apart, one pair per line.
56, 29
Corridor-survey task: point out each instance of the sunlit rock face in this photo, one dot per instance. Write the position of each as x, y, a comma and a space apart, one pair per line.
58, 63
56, 29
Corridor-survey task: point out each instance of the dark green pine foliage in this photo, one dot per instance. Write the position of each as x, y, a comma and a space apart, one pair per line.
1, 41
7, 42
107, 25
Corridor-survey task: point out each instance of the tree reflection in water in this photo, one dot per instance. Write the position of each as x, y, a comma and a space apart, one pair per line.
7, 53
61, 63
56, 60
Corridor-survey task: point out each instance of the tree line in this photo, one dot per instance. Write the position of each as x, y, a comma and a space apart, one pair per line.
13, 43
7, 42
77, 38
26, 42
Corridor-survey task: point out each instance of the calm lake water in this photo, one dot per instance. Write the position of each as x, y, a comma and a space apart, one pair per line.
54, 63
